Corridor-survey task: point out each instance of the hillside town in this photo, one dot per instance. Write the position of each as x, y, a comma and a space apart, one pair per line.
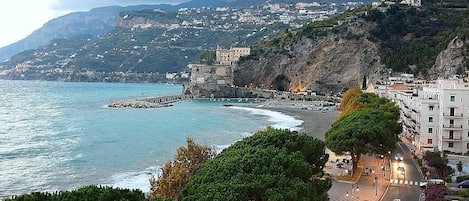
183, 33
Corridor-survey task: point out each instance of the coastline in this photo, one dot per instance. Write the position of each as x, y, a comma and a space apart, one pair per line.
315, 122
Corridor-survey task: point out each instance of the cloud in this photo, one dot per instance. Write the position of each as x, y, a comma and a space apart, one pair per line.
83, 5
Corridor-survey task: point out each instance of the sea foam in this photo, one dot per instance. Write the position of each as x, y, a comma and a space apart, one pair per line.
279, 120
140, 180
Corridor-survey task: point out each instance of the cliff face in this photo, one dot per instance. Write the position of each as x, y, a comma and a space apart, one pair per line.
453, 60
334, 62
129, 22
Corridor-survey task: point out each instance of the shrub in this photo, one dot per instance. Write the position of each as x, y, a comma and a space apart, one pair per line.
462, 178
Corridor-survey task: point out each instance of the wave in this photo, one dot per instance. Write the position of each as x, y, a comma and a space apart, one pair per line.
279, 120
140, 179
136, 180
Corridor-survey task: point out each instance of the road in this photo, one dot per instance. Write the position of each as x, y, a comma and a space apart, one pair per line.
404, 187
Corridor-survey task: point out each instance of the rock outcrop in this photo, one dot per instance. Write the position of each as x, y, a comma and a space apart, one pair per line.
453, 60
334, 62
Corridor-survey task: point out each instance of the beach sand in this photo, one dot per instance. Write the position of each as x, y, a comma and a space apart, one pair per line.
315, 123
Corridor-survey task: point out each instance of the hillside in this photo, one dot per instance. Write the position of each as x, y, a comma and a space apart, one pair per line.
94, 22
156, 41
371, 43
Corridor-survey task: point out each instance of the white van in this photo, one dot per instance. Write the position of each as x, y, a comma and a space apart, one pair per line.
424, 184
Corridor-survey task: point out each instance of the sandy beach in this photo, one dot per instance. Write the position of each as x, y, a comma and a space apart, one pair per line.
315, 122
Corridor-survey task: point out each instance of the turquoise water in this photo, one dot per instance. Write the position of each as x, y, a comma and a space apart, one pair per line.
60, 136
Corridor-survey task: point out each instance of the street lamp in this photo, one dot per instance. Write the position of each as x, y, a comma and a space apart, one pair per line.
376, 185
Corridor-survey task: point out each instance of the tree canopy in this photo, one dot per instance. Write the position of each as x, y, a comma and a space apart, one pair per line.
269, 165
84, 193
350, 101
366, 130
176, 173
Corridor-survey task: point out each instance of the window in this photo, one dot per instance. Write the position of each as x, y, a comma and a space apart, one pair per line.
429, 141
430, 108
451, 134
451, 111
430, 130
452, 98
467, 145
450, 145
430, 119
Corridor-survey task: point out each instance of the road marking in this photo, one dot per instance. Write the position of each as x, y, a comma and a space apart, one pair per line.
405, 182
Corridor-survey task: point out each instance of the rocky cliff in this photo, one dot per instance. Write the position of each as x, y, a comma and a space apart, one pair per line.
453, 60
338, 60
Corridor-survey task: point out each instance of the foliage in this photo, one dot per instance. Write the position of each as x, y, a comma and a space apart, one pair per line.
85, 193
463, 193
390, 109
435, 192
411, 36
462, 178
269, 165
207, 57
366, 130
350, 101
459, 166
176, 173
437, 161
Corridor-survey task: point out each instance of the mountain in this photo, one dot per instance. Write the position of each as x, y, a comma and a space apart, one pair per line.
157, 41
430, 41
94, 22
363, 43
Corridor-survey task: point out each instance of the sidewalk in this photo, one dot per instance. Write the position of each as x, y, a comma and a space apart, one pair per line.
365, 188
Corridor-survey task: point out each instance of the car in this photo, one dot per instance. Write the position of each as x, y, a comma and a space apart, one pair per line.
463, 184
401, 170
398, 157
433, 182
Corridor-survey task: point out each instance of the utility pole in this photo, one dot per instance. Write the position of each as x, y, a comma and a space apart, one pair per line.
376, 185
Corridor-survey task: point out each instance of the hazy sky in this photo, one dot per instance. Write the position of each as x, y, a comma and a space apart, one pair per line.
19, 18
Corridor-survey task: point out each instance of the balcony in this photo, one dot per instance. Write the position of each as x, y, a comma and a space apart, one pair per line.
453, 138
452, 126
453, 115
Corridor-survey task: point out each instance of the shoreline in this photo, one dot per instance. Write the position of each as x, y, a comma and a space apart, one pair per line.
315, 122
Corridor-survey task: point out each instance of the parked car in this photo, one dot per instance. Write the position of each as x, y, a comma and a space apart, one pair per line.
401, 170
463, 184
398, 157
433, 182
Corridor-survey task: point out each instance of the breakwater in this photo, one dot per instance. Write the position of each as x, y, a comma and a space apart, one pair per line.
150, 102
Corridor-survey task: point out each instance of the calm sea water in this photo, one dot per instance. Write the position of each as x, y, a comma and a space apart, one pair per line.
60, 136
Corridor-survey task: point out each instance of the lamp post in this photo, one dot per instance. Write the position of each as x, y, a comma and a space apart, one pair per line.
376, 185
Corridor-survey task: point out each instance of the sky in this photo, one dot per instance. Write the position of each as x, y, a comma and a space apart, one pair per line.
19, 18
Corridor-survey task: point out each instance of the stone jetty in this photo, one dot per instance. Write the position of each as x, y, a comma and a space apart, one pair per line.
150, 102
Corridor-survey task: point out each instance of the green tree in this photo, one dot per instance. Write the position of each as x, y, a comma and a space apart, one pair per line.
207, 57
269, 165
176, 173
102, 193
439, 161
390, 109
459, 166
366, 130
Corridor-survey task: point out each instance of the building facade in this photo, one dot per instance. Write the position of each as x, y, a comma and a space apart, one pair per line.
436, 116
232, 55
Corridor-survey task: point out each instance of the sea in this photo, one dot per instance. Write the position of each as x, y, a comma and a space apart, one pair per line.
61, 135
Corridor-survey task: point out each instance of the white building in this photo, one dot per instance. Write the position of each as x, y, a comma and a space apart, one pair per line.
228, 56
436, 116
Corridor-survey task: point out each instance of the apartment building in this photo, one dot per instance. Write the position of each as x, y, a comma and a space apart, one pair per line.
436, 116
229, 56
